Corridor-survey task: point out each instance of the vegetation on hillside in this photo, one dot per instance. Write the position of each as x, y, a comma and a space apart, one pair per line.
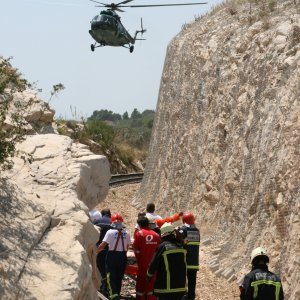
134, 131
10, 82
124, 139
121, 137
13, 123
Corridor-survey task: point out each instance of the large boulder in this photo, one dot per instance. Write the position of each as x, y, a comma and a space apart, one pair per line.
45, 229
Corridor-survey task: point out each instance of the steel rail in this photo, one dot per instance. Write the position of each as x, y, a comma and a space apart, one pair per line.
123, 179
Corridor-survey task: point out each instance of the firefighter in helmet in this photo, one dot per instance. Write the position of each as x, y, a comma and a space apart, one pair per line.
169, 264
190, 234
260, 283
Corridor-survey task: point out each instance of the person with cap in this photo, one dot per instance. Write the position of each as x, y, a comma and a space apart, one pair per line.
145, 244
190, 235
260, 283
169, 264
95, 216
117, 239
104, 224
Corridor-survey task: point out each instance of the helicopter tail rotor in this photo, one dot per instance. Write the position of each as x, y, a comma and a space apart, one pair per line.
142, 28
140, 31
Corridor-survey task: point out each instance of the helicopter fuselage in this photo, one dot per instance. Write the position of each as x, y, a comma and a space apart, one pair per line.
107, 29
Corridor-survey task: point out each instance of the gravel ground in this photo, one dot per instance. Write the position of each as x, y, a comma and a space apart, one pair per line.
209, 286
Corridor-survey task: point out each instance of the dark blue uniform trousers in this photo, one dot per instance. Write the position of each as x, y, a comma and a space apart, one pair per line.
115, 268
101, 264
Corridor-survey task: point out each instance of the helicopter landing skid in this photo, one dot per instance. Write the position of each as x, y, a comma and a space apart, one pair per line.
94, 46
131, 48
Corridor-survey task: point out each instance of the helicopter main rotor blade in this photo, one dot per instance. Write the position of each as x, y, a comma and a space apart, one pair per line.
123, 2
157, 5
118, 9
104, 4
112, 5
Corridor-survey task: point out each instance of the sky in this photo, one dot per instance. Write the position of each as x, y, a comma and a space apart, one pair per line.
50, 44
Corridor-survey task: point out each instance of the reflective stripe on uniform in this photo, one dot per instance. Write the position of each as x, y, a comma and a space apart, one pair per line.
170, 290
165, 256
108, 284
196, 267
255, 285
149, 275
149, 294
193, 243
139, 293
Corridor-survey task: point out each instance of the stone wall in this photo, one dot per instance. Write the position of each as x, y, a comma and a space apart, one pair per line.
45, 231
226, 137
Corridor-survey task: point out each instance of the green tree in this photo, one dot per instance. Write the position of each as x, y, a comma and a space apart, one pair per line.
135, 114
105, 115
125, 116
148, 112
150, 123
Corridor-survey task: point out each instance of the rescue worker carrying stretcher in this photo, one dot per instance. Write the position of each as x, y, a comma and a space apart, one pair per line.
118, 241
260, 283
145, 243
190, 235
169, 264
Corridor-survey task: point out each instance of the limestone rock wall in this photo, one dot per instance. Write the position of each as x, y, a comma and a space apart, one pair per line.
226, 137
37, 116
44, 228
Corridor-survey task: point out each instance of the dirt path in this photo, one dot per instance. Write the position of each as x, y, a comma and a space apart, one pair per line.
209, 286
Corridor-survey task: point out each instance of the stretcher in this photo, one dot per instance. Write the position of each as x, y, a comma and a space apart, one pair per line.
131, 267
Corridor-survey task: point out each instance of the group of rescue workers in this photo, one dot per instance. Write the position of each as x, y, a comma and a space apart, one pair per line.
167, 259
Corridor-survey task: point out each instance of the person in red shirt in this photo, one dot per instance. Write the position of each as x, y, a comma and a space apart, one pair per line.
145, 243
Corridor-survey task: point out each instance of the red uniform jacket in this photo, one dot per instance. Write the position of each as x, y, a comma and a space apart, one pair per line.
145, 243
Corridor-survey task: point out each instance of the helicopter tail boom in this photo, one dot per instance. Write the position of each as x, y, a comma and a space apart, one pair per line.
139, 31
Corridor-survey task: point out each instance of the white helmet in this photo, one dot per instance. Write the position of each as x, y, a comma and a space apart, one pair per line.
259, 252
166, 229
95, 215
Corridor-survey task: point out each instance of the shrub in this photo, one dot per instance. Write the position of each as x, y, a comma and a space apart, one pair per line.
101, 133
11, 82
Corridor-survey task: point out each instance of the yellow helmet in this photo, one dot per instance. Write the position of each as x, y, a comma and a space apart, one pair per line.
166, 229
259, 252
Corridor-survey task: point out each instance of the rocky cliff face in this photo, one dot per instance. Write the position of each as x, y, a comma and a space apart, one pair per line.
47, 240
227, 133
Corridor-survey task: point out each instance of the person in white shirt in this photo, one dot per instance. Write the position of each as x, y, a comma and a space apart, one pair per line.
118, 240
150, 212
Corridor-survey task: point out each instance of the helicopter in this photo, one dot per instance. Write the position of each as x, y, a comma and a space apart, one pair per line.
107, 29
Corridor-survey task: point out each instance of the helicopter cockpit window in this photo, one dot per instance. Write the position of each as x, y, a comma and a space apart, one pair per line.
96, 19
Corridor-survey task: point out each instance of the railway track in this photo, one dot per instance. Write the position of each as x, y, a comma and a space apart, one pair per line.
123, 179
